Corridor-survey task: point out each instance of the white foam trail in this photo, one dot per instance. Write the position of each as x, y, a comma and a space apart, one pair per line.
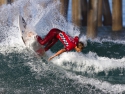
88, 62
99, 40
97, 84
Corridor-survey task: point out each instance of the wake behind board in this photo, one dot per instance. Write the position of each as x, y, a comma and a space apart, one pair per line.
29, 38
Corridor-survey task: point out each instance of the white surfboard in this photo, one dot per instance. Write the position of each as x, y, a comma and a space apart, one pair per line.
29, 38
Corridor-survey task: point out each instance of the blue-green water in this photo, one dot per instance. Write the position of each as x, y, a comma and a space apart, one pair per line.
106, 49
98, 69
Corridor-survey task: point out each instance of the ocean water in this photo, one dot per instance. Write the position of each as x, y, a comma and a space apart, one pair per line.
98, 69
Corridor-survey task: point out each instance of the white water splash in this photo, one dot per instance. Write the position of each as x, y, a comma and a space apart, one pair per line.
88, 62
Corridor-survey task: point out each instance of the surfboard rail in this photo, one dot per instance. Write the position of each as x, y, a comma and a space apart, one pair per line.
29, 39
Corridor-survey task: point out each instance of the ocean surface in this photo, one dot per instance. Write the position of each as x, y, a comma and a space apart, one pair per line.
98, 69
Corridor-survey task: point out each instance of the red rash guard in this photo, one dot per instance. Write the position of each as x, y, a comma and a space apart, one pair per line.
54, 35
68, 41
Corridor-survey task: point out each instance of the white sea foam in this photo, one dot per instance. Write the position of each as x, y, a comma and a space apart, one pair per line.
90, 62
97, 84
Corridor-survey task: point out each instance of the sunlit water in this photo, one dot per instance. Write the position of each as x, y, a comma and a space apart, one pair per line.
98, 69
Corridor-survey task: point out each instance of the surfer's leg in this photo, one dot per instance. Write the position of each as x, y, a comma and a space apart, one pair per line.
49, 37
50, 44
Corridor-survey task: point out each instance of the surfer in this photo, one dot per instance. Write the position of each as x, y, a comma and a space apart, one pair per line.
54, 35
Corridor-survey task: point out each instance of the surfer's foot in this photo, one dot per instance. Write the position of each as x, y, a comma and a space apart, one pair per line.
38, 38
30, 34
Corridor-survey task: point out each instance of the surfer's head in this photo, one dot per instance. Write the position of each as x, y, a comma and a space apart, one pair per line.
79, 47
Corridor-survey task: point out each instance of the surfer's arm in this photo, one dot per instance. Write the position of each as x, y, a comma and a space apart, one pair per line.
58, 53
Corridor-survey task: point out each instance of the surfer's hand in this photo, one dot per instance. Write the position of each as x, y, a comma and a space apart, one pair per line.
50, 58
58, 53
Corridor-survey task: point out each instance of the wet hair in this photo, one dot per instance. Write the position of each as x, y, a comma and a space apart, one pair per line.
80, 45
